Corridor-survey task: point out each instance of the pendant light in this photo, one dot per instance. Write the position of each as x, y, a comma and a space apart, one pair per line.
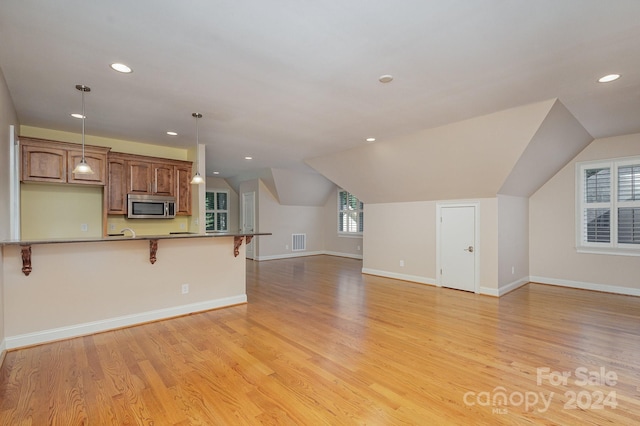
83, 168
197, 178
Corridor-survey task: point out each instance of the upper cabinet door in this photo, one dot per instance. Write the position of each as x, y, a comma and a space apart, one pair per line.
183, 190
163, 179
139, 177
97, 162
41, 164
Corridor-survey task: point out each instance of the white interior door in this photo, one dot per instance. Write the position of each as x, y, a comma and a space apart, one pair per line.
248, 219
457, 247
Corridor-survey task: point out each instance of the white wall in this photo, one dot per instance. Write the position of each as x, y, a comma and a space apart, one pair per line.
552, 222
407, 231
513, 242
8, 117
283, 221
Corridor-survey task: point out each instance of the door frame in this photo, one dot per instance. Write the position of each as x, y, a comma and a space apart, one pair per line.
476, 251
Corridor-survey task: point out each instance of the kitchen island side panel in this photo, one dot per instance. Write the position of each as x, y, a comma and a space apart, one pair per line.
78, 288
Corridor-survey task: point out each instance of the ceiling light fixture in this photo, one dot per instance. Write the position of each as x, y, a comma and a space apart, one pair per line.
170, 133
385, 78
608, 78
197, 179
248, 158
83, 168
216, 173
76, 115
371, 139
121, 68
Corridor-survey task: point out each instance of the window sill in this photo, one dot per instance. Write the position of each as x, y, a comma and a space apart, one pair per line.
349, 235
608, 251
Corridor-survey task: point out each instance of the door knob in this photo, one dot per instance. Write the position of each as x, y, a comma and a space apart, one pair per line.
469, 249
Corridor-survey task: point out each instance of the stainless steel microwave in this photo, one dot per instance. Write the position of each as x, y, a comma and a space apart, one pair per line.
150, 207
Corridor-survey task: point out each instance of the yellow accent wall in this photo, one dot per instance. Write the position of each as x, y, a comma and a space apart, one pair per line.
116, 145
58, 211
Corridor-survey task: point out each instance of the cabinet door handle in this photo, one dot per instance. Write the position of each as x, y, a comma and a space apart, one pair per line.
469, 249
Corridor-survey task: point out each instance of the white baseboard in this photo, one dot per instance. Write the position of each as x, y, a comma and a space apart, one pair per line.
497, 292
308, 253
288, 255
586, 286
338, 254
3, 348
404, 277
77, 330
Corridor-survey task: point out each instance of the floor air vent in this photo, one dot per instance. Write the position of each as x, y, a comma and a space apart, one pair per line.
298, 242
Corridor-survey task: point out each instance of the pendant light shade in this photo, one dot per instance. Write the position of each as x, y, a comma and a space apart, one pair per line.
82, 168
197, 178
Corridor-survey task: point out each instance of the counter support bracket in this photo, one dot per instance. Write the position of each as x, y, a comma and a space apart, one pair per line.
153, 249
237, 242
26, 260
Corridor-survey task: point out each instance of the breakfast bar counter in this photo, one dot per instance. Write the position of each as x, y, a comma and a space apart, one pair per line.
61, 288
153, 242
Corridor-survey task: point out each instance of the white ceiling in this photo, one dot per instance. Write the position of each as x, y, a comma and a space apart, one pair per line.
283, 81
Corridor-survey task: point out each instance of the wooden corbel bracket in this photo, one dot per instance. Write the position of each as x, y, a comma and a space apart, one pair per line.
153, 249
26, 260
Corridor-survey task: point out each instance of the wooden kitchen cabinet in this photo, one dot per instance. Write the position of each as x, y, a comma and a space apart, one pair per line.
116, 191
52, 161
138, 177
97, 162
138, 174
150, 178
183, 190
43, 164
163, 179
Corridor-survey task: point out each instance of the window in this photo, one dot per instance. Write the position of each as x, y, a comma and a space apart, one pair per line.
350, 214
609, 206
217, 210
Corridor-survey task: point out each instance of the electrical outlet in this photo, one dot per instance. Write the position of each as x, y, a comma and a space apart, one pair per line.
182, 226
185, 288
84, 227
513, 270
286, 247
112, 227
195, 221
402, 263
358, 248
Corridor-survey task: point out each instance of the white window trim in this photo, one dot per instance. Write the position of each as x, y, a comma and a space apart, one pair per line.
214, 190
613, 247
345, 233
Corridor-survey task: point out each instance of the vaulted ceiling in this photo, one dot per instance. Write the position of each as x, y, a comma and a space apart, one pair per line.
285, 81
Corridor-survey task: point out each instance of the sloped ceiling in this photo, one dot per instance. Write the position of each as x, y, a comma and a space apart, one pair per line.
560, 138
289, 187
301, 189
467, 159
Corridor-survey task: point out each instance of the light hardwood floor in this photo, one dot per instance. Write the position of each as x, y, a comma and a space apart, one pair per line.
320, 343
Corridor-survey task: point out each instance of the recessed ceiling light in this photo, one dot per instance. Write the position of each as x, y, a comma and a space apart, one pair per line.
371, 139
609, 78
216, 173
385, 78
121, 68
248, 158
170, 133
76, 115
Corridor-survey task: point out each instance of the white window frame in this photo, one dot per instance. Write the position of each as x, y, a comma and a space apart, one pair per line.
217, 210
359, 212
613, 246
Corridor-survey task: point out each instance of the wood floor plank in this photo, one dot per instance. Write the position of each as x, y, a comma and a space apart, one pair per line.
321, 343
